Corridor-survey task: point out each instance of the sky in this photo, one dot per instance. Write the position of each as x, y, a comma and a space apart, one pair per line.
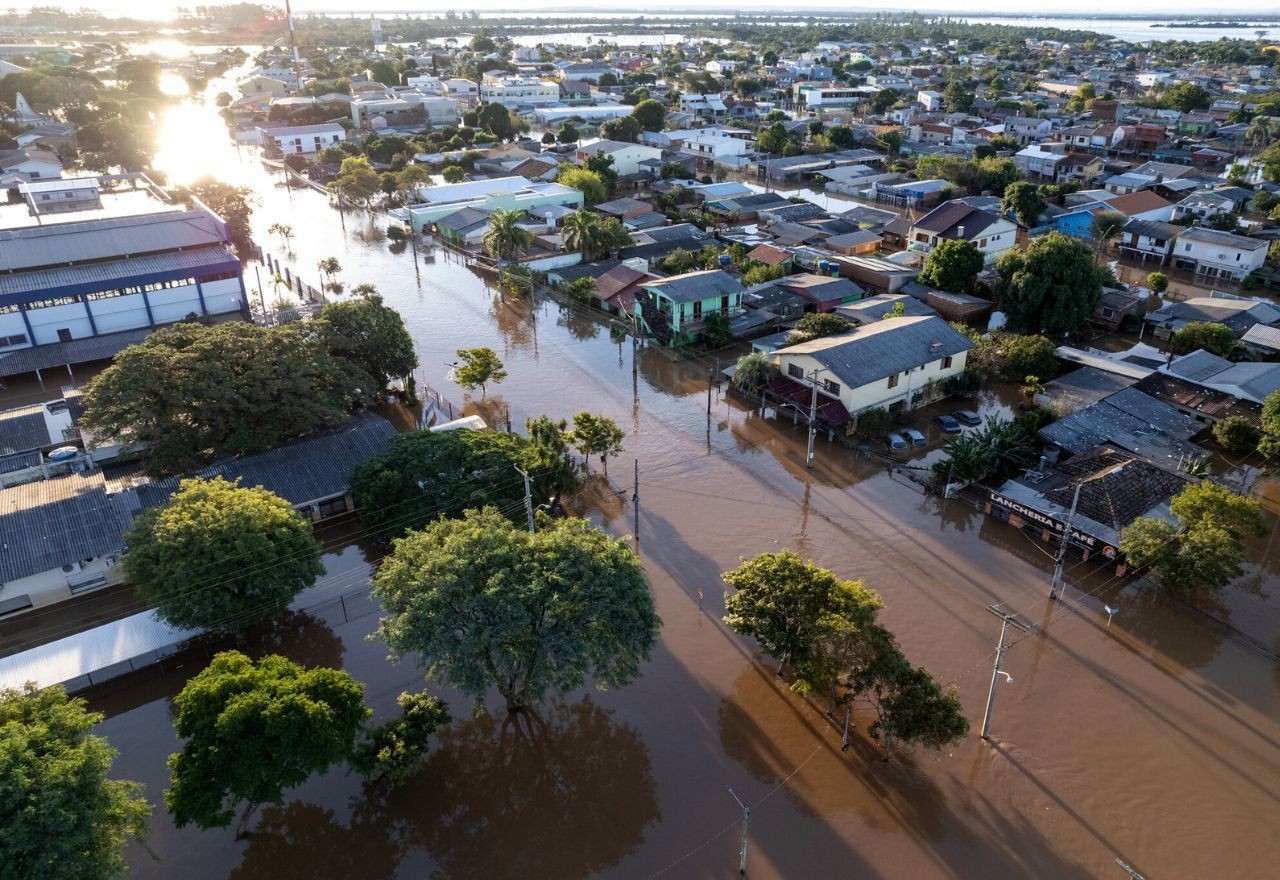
165, 8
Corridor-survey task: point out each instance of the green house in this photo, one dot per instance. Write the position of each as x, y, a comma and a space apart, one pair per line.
675, 309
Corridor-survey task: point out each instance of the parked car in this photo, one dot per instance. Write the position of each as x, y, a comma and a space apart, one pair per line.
947, 424
916, 438
967, 417
895, 442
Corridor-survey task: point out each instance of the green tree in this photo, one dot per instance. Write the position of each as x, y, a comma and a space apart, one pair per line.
952, 266
392, 751
1023, 201
581, 289
1270, 443
506, 239
1157, 282
1187, 96
791, 607
62, 816
189, 393
759, 273
892, 140
328, 268
372, 336
1052, 287
596, 435
453, 174
841, 137
624, 129
357, 181
965, 460
1012, 449
753, 371
1206, 549
1105, 226
497, 119
254, 730
958, 97
1237, 434
427, 474
582, 231
1213, 337
485, 604
593, 189
220, 556
651, 115
602, 166
234, 204
816, 326
477, 368
568, 134
1012, 356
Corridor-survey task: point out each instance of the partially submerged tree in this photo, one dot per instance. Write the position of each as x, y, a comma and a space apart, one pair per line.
596, 435
485, 604
62, 816
392, 751
1204, 551
477, 368
816, 326
220, 556
753, 372
1052, 287
506, 239
952, 266
253, 730
371, 335
1213, 337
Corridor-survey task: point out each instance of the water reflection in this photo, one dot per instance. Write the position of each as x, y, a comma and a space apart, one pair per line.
580, 324
301, 841
562, 793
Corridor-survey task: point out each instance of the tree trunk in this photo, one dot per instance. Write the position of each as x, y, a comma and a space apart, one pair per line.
241, 829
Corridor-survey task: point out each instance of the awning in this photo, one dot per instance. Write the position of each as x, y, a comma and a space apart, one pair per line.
830, 410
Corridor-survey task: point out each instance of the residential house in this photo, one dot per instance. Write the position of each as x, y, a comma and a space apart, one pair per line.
1214, 254
1143, 205
1148, 240
1238, 313
864, 241
518, 91
714, 146
893, 363
616, 290
465, 228
303, 139
28, 163
1114, 306
674, 309
628, 159
931, 101
1027, 129
1250, 381
991, 233
507, 193
60, 195
1038, 162
823, 292
260, 86
875, 308
707, 108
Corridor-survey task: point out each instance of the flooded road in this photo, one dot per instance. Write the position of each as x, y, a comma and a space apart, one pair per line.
1154, 737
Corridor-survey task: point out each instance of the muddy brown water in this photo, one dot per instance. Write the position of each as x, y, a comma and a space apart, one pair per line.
1152, 737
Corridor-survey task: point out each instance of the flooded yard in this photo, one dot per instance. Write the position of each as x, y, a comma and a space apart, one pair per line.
1152, 736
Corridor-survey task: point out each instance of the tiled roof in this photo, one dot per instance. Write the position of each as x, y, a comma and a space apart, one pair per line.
1115, 487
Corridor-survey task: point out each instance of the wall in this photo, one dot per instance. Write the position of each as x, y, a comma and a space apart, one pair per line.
50, 587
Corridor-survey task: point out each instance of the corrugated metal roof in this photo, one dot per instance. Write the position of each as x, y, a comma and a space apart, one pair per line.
61, 244
91, 651
77, 351
51, 523
883, 348
106, 276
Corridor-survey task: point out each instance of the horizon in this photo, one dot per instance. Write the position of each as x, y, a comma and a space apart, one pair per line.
161, 10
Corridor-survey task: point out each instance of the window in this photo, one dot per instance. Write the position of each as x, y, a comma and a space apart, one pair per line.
1188, 247
982, 243
53, 301
831, 387
893, 381
946, 362
795, 371
9, 341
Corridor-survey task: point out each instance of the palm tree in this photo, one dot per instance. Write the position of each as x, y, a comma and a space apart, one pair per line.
1260, 133
582, 232
505, 238
329, 267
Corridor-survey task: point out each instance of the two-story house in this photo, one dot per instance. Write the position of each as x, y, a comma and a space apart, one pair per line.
1215, 254
674, 309
1149, 240
1026, 129
893, 363
988, 231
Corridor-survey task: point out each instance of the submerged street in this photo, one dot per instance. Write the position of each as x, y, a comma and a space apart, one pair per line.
1151, 736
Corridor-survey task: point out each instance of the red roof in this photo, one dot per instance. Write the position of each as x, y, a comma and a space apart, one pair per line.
768, 254
830, 410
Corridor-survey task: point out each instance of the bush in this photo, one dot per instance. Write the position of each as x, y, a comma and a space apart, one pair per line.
874, 422
1033, 419
1237, 434
394, 750
816, 326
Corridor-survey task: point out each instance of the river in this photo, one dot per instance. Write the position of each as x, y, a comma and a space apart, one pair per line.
1151, 736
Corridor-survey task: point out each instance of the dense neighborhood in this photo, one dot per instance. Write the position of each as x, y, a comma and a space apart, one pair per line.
1005, 292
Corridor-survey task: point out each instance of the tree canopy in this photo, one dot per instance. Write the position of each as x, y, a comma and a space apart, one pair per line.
253, 730
816, 326
597, 435
427, 474
1024, 202
372, 335
593, 189
478, 367
220, 556
1206, 552
188, 393
952, 266
62, 816
1214, 338
486, 604
1052, 287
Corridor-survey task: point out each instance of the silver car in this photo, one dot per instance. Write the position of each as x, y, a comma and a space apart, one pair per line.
895, 442
915, 437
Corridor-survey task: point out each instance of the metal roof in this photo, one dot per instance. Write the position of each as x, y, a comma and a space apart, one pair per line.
51, 523
77, 351
108, 275
62, 244
883, 348
23, 428
696, 286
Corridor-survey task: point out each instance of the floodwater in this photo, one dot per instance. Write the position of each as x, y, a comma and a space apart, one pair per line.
1151, 736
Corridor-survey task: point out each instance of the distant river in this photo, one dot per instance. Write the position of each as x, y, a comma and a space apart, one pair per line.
1138, 30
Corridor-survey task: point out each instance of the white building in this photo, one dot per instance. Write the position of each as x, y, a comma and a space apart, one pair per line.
1215, 254
893, 363
989, 233
304, 139
626, 157
519, 91
714, 145
930, 100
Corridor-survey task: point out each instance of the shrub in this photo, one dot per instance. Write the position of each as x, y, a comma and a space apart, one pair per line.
1237, 434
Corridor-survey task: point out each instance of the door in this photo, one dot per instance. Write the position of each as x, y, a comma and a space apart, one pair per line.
697, 310
64, 335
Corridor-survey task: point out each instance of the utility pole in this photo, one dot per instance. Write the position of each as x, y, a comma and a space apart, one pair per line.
528, 498
635, 505
293, 43
746, 818
1056, 587
1132, 872
1006, 620
813, 416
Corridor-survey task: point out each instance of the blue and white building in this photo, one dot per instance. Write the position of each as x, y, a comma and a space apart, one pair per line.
79, 284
